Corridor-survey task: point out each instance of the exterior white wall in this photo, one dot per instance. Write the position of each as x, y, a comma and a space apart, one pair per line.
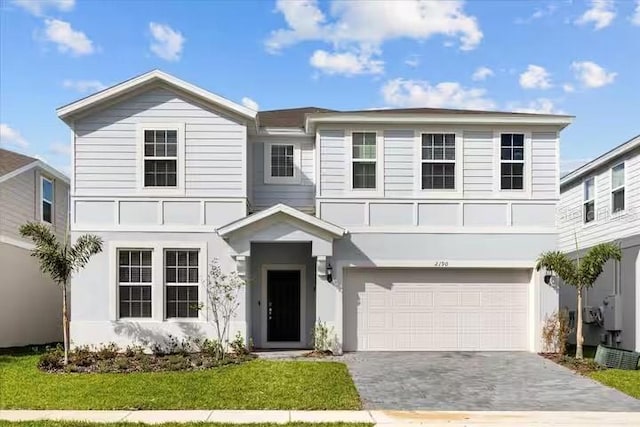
93, 292
300, 195
607, 226
105, 148
30, 303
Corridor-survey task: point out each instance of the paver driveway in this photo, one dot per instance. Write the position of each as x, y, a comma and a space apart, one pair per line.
477, 381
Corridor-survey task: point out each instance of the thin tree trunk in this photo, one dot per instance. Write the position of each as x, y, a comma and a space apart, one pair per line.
579, 337
65, 324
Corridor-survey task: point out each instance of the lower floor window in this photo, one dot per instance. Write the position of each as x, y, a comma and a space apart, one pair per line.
181, 278
134, 282
135, 301
182, 301
364, 175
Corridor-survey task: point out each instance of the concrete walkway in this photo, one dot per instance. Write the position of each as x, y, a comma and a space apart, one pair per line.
379, 418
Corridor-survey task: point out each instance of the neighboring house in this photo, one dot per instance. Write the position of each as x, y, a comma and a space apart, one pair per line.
410, 229
30, 303
600, 202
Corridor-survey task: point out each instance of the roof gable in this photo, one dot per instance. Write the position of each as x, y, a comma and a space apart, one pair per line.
150, 79
11, 161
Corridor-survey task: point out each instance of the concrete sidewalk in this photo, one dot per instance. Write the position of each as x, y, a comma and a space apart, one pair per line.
380, 418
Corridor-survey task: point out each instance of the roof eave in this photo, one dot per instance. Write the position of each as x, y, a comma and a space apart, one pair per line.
561, 121
67, 112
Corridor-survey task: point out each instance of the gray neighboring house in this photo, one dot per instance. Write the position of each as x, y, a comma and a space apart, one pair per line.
600, 202
30, 303
406, 229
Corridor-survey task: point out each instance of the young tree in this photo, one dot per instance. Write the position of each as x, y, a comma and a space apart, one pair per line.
222, 292
581, 273
59, 260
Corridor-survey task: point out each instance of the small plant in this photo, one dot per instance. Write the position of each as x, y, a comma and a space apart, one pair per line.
52, 359
322, 338
237, 345
108, 351
555, 332
211, 348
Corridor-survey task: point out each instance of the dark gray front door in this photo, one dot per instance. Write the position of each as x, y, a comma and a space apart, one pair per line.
283, 305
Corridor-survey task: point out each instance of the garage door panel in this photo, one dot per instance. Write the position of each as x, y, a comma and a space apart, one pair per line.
422, 309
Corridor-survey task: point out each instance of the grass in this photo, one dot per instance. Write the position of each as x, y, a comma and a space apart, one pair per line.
124, 424
257, 384
626, 381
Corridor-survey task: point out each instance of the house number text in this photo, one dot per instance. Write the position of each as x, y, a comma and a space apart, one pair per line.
442, 264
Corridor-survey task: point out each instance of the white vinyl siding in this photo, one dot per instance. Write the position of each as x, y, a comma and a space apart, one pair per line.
607, 226
545, 176
105, 148
299, 195
478, 164
332, 162
399, 154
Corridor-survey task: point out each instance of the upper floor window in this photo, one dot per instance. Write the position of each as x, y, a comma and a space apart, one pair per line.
282, 163
363, 158
589, 204
617, 188
134, 283
46, 206
181, 283
511, 161
438, 161
160, 158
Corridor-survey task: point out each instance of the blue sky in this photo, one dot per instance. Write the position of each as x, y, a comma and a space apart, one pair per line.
575, 57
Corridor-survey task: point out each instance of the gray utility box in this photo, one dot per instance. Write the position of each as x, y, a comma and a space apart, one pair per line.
612, 313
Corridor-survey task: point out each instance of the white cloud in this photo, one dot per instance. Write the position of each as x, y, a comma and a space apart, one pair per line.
84, 86
362, 27
60, 149
601, 14
418, 93
539, 13
592, 75
412, 61
536, 77
481, 73
66, 38
167, 42
539, 106
568, 87
635, 18
39, 7
346, 63
11, 137
250, 103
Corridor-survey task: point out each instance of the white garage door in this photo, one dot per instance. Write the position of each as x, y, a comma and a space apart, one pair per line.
434, 309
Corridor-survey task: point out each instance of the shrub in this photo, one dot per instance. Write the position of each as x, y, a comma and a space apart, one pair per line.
108, 351
322, 338
555, 332
52, 358
237, 345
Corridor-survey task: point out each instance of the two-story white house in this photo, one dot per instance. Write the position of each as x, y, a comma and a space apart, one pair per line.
408, 229
600, 202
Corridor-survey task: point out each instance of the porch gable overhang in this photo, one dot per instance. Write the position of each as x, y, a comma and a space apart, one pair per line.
280, 223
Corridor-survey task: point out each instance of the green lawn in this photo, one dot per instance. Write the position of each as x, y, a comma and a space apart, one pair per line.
257, 384
122, 424
626, 381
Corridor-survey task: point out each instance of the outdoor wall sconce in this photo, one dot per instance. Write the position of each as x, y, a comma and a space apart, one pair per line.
549, 277
329, 273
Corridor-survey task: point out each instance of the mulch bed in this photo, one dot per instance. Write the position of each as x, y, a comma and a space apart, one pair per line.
101, 362
582, 367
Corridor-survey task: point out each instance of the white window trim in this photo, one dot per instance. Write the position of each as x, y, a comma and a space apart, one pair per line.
180, 156
620, 187
526, 182
459, 166
201, 278
379, 161
297, 160
119, 284
42, 199
157, 288
585, 201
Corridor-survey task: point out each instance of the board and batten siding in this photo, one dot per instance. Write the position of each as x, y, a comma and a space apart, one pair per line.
332, 162
105, 146
478, 163
300, 196
607, 226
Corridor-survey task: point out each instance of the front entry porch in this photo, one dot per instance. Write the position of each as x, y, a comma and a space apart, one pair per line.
283, 255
